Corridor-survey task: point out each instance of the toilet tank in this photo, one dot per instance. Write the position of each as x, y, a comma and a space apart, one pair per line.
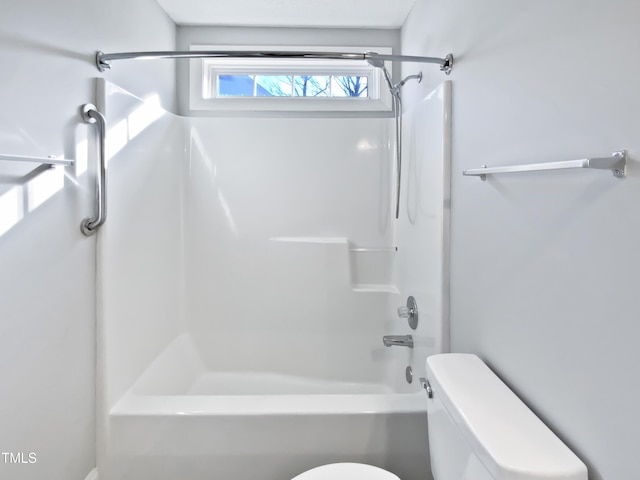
480, 430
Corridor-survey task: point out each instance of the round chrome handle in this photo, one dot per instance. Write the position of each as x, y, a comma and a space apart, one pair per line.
410, 312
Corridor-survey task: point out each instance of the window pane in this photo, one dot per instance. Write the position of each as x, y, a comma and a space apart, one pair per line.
349, 86
273, 86
312, 86
292, 85
235, 85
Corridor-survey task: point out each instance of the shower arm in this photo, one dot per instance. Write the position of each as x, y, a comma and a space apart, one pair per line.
396, 88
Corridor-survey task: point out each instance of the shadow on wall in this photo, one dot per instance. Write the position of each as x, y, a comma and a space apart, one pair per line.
32, 45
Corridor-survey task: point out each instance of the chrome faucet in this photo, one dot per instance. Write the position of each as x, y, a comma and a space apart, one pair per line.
398, 340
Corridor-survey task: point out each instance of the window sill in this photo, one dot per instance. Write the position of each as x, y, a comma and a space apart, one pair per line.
289, 104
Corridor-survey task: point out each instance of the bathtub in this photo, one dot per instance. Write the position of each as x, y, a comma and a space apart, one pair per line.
181, 421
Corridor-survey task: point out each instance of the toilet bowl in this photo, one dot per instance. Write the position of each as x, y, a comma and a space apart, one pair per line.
346, 471
478, 429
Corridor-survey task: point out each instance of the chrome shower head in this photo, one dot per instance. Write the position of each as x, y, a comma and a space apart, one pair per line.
379, 63
373, 61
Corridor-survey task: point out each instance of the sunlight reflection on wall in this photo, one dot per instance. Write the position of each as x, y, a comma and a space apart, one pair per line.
11, 209
22, 193
198, 147
132, 125
29, 193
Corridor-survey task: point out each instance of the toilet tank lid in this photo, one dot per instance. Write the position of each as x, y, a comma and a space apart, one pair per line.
510, 440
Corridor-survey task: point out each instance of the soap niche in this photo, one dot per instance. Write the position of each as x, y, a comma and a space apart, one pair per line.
372, 269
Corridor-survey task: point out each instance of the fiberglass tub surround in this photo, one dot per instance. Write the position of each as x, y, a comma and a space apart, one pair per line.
248, 272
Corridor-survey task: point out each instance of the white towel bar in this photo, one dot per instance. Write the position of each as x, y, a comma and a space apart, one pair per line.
44, 160
616, 163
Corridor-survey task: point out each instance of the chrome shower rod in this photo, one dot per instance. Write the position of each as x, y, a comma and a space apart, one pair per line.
103, 60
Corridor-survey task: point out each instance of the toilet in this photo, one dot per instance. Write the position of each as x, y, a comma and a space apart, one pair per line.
478, 430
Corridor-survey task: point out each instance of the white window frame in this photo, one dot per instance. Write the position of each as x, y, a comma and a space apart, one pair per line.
202, 70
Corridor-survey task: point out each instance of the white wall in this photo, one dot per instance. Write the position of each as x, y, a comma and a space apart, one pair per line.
422, 228
273, 208
47, 268
545, 265
140, 261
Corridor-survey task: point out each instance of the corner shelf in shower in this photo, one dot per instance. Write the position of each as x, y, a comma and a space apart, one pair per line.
375, 288
363, 269
328, 240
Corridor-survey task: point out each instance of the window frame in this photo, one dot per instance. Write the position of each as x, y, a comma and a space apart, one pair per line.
201, 72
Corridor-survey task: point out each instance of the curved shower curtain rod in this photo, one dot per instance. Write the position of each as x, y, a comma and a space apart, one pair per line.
103, 60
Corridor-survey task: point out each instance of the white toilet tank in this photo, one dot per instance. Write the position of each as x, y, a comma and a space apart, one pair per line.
480, 430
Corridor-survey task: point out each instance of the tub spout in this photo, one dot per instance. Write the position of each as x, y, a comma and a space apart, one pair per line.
398, 340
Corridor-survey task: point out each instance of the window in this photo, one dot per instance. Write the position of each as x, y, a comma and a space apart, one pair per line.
282, 84
294, 85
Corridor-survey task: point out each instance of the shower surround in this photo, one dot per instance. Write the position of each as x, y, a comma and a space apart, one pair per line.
248, 270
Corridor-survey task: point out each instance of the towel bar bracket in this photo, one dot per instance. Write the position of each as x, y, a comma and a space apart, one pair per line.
617, 163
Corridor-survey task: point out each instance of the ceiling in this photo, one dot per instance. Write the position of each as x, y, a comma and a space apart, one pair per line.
289, 13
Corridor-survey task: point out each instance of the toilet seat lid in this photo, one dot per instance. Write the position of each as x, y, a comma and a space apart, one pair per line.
346, 471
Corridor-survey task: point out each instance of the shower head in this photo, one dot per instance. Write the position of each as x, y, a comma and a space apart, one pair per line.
394, 89
379, 63
373, 61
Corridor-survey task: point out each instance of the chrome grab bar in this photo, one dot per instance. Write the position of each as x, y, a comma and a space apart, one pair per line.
89, 226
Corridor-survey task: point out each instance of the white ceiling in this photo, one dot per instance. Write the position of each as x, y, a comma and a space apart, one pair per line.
289, 13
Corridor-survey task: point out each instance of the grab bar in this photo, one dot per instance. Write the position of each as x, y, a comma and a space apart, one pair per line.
616, 163
89, 226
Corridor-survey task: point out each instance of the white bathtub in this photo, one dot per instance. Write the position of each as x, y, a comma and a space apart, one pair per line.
180, 421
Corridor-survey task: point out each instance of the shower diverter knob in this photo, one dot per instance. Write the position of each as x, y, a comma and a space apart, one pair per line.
410, 312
